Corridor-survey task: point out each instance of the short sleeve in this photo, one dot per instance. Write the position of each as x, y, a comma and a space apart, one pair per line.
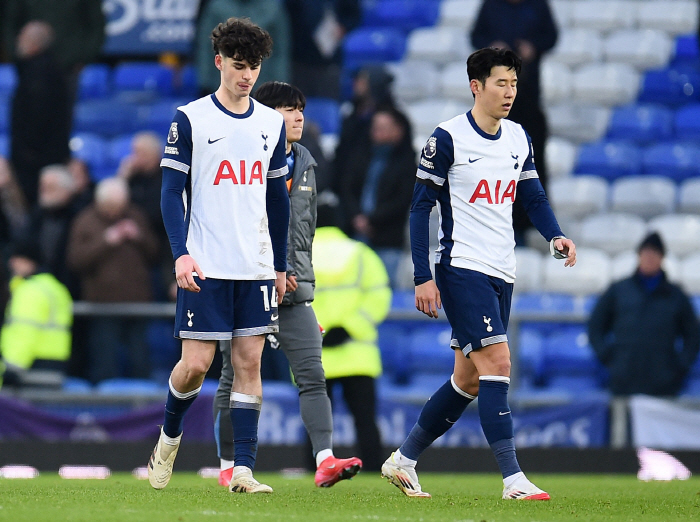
178, 145
436, 158
278, 163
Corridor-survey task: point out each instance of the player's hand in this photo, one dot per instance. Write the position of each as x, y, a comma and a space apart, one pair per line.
566, 247
428, 299
292, 283
280, 285
184, 267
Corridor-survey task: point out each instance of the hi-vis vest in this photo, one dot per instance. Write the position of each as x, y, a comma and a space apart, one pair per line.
352, 292
38, 321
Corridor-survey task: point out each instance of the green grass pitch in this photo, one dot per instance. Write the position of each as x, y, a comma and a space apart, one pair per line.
456, 497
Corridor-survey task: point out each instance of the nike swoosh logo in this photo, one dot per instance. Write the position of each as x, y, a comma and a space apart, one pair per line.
210, 141
451, 422
503, 412
307, 303
273, 317
473, 160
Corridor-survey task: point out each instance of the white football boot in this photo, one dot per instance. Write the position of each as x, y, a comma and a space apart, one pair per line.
161, 469
523, 489
245, 483
404, 478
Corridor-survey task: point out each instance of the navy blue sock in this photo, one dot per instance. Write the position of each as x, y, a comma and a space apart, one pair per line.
245, 412
497, 422
439, 414
176, 405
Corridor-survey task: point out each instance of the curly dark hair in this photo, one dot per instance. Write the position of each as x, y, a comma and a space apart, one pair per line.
241, 39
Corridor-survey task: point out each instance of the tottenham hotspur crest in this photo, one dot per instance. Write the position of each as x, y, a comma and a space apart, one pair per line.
173, 133
489, 328
430, 148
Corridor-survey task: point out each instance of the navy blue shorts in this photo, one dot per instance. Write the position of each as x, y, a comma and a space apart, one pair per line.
223, 309
476, 305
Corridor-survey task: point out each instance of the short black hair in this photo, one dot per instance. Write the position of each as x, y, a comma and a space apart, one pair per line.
280, 94
480, 63
241, 39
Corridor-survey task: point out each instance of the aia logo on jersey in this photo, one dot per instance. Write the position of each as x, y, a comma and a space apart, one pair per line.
226, 172
493, 196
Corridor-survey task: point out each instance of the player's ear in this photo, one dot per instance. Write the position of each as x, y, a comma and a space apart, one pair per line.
218, 61
475, 86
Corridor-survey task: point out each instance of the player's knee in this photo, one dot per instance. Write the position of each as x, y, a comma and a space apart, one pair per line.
195, 367
310, 378
502, 367
467, 383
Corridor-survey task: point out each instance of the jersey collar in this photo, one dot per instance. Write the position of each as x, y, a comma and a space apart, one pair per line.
223, 109
492, 137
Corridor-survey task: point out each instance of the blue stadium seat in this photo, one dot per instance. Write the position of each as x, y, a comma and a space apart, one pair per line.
687, 122
575, 384
530, 353
678, 161
5, 112
76, 385
8, 80
4, 145
90, 148
670, 86
430, 349
107, 117
403, 300
373, 45
164, 348
402, 14
687, 53
610, 159
157, 116
325, 112
119, 147
280, 391
567, 353
94, 81
641, 123
125, 386
187, 85
541, 302
147, 79
393, 340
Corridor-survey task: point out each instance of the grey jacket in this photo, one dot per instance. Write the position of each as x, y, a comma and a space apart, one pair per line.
302, 226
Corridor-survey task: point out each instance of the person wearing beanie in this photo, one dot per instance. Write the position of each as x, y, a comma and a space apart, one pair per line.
635, 325
36, 333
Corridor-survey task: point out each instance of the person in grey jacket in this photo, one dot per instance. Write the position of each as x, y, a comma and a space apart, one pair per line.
636, 326
299, 336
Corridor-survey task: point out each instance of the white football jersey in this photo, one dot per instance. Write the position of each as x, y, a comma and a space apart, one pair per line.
478, 173
228, 158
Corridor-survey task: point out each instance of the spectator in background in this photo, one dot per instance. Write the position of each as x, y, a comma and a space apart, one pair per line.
112, 247
268, 14
526, 27
41, 110
636, 326
50, 222
352, 297
38, 318
318, 28
79, 27
13, 207
378, 186
84, 187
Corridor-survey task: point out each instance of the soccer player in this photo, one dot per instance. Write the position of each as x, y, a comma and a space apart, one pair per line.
299, 336
471, 166
225, 155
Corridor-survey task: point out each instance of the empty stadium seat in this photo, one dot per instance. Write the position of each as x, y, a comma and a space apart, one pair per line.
556, 80
644, 49
4, 118
606, 83
157, 116
430, 350
4, 146
92, 149
118, 148
529, 352
187, 82
76, 385
578, 122
672, 16
680, 232
689, 196
670, 86
426, 114
578, 196
562, 11
612, 233
528, 263
125, 386
686, 52
601, 15
415, 79
690, 274
459, 13
105, 116
438, 44
566, 352
94, 81
325, 113
641, 123
678, 161
645, 196
591, 274
561, 157
144, 80
687, 122
454, 82
578, 46
8, 80
402, 14
373, 45
610, 159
